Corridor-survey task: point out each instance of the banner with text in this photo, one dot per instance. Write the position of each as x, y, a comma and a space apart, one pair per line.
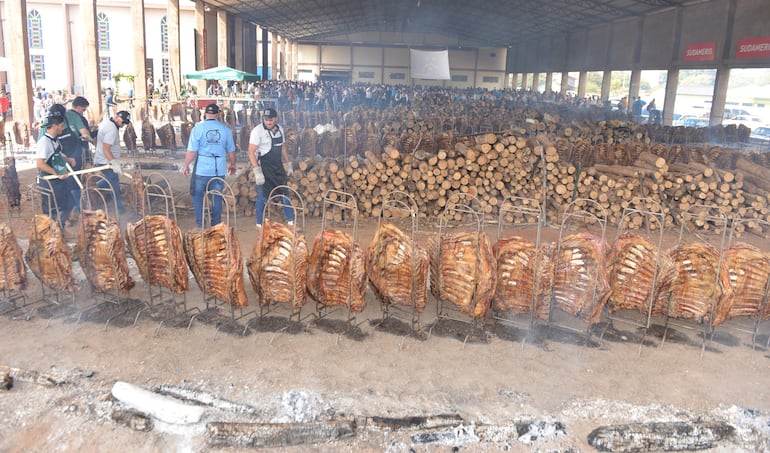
758, 47
702, 51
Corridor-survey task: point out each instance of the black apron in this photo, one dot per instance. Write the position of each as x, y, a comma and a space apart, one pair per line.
272, 165
85, 155
60, 188
72, 147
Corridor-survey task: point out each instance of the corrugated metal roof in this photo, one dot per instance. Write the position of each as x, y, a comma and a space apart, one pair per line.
470, 23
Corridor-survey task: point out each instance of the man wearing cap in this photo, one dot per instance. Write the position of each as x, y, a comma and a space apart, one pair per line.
210, 146
76, 143
270, 163
50, 160
108, 152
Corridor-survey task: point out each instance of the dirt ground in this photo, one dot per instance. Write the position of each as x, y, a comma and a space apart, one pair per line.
504, 389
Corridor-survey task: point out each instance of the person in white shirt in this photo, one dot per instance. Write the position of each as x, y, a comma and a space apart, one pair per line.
270, 163
108, 153
51, 160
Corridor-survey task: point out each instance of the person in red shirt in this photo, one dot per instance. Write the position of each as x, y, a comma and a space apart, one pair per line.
4, 103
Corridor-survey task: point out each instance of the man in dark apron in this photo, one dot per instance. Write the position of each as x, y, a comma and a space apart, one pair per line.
270, 163
51, 160
75, 144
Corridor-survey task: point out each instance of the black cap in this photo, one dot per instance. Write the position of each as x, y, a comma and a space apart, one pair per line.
125, 116
269, 113
212, 109
54, 117
57, 108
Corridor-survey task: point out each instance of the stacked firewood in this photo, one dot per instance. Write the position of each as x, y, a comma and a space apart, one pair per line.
435, 149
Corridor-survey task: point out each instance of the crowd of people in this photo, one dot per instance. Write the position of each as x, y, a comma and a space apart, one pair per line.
327, 96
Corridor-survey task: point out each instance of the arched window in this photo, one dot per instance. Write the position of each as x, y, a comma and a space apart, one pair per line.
103, 31
164, 34
35, 29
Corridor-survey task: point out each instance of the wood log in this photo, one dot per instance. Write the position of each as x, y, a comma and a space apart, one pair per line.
158, 406
660, 436
32, 376
267, 435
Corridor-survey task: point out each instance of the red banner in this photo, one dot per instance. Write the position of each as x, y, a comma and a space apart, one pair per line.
702, 51
753, 48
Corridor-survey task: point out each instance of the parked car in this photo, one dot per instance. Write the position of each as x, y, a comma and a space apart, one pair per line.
691, 121
760, 136
734, 113
746, 120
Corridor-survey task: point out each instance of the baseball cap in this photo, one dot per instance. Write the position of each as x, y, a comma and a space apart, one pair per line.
58, 109
53, 117
212, 109
269, 113
125, 116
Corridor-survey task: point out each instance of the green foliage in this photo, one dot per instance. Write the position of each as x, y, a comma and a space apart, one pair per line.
120, 76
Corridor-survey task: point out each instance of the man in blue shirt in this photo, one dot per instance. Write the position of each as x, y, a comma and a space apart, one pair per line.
211, 145
636, 107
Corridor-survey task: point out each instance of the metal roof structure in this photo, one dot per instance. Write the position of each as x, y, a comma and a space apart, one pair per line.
471, 23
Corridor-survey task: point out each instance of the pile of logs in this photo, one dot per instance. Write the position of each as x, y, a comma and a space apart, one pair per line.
548, 154
493, 167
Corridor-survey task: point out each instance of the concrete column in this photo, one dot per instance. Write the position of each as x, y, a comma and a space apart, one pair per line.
720, 96
263, 57
723, 72
672, 82
258, 44
285, 59
524, 81
295, 59
249, 48
238, 42
514, 80
222, 41
91, 77
201, 52
564, 87
200, 41
582, 79
140, 54
606, 81
634, 85
174, 44
18, 46
289, 60
535, 81
67, 45
274, 54
548, 82
636, 73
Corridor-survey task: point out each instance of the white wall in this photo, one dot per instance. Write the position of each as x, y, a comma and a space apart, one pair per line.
382, 63
473, 64
121, 53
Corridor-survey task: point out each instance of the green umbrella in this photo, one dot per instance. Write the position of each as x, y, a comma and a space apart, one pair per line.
221, 73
